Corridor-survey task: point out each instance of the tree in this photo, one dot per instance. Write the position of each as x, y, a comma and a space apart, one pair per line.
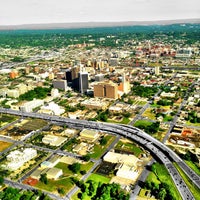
162, 194
1, 180
61, 191
43, 178
86, 157
75, 167
103, 141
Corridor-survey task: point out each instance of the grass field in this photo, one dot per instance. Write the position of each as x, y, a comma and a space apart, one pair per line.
149, 114
99, 178
5, 119
99, 150
53, 185
34, 124
142, 122
4, 145
130, 147
195, 191
67, 172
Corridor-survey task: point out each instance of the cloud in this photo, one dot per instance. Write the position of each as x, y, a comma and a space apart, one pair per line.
55, 11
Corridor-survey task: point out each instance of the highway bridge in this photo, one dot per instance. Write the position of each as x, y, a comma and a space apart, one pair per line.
161, 151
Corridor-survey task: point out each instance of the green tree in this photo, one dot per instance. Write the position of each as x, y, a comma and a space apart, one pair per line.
86, 157
43, 178
61, 191
75, 167
103, 141
162, 194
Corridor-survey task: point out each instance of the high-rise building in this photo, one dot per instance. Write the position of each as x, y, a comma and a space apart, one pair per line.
124, 86
60, 84
106, 90
83, 82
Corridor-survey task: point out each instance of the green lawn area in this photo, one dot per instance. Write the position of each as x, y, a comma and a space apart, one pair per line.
192, 124
98, 178
67, 172
167, 118
161, 175
65, 169
142, 122
195, 191
53, 185
149, 114
65, 180
141, 103
193, 166
124, 121
99, 150
130, 147
153, 178
5, 119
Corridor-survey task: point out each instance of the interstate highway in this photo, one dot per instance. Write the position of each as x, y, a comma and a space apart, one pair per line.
165, 154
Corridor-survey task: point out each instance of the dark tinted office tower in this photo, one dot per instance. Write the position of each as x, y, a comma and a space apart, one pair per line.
83, 82
75, 78
68, 75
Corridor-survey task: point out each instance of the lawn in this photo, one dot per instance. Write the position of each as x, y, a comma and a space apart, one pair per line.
149, 114
65, 180
98, 178
53, 185
167, 118
195, 191
129, 147
34, 124
67, 172
5, 119
99, 149
192, 124
143, 123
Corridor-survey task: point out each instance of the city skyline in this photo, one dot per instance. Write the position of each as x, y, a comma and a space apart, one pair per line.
51, 11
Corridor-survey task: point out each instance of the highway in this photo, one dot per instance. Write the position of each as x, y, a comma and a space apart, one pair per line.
162, 152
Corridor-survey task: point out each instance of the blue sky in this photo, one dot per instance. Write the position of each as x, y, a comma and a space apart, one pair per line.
14, 12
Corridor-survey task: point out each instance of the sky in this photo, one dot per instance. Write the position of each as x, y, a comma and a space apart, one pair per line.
16, 12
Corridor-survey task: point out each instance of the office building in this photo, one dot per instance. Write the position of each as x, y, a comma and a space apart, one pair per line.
83, 82
124, 86
60, 84
106, 90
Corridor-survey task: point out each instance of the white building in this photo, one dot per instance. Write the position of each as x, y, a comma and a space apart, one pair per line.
13, 93
127, 172
126, 159
17, 158
30, 105
52, 108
